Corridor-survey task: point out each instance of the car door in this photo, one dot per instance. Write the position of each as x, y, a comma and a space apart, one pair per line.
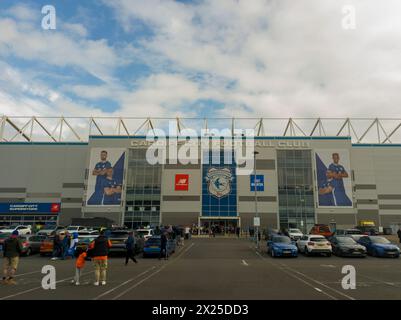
302, 242
334, 245
35, 243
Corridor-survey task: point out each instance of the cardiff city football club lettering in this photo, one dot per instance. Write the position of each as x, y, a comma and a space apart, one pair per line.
219, 181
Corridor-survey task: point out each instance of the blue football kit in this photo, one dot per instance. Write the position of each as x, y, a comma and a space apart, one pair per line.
101, 166
115, 198
326, 199
340, 196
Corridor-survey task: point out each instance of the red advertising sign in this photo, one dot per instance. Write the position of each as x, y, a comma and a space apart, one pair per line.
55, 207
181, 182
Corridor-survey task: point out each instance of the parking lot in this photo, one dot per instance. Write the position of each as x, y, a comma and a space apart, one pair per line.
216, 268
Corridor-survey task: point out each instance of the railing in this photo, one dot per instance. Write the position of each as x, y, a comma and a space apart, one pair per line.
78, 129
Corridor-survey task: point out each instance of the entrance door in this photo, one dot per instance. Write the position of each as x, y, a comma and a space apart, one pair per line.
219, 227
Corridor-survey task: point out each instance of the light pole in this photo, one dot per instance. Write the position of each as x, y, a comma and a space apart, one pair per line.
302, 208
256, 198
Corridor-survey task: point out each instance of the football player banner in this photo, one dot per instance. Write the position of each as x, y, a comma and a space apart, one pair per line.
333, 176
106, 174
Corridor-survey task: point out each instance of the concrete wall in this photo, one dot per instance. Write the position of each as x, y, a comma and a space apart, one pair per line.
44, 173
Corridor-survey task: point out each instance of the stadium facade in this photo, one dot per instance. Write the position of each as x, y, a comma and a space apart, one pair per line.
300, 181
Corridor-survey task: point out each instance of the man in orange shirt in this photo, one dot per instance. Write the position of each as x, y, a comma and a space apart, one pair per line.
99, 250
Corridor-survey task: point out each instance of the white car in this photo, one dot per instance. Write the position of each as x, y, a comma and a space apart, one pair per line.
48, 232
72, 229
20, 228
314, 244
145, 233
295, 234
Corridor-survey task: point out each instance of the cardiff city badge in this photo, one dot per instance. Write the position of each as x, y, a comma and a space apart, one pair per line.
219, 181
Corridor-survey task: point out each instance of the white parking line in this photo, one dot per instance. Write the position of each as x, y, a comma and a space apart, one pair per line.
318, 282
37, 288
296, 277
123, 284
245, 263
151, 275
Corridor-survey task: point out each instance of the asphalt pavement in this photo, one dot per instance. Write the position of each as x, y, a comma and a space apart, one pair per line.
216, 268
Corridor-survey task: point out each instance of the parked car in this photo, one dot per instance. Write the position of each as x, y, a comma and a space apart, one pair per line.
379, 247
152, 246
345, 232
31, 244
281, 246
346, 246
88, 234
356, 237
46, 247
321, 229
118, 238
22, 229
314, 244
3, 237
50, 231
83, 243
294, 234
72, 229
145, 233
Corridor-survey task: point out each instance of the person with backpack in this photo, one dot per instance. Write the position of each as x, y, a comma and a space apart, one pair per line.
12, 251
98, 251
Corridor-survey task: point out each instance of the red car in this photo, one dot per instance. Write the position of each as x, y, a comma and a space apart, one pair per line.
321, 229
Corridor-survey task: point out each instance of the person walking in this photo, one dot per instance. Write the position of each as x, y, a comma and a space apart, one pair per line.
57, 247
65, 245
99, 250
163, 246
12, 251
130, 246
79, 265
399, 234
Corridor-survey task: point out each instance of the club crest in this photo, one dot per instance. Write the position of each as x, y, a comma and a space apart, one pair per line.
219, 181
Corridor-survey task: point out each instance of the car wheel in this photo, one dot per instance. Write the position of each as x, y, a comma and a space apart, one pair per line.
306, 251
272, 253
28, 252
328, 255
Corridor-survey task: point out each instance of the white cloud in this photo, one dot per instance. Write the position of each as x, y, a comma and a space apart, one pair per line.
289, 58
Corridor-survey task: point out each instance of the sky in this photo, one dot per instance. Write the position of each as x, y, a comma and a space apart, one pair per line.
253, 58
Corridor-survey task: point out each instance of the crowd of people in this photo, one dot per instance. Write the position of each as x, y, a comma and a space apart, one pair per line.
65, 246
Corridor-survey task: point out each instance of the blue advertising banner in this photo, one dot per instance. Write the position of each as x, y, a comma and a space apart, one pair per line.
106, 177
260, 182
219, 185
30, 208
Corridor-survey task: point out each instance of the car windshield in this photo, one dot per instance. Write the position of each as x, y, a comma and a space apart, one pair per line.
346, 240
153, 241
295, 231
315, 239
142, 232
282, 239
379, 240
353, 232
118, 235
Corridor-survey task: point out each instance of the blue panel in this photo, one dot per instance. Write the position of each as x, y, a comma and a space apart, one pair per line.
219, 186
260, 182
21, 208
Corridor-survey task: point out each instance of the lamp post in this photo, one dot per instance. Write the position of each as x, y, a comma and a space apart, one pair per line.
302, 208
256, 198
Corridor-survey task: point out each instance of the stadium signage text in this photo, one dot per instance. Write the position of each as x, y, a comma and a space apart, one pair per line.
266, 144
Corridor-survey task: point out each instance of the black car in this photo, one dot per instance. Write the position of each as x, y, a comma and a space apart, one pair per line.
346, 246
118, 238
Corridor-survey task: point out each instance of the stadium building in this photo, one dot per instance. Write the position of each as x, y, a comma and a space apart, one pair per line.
52, 176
